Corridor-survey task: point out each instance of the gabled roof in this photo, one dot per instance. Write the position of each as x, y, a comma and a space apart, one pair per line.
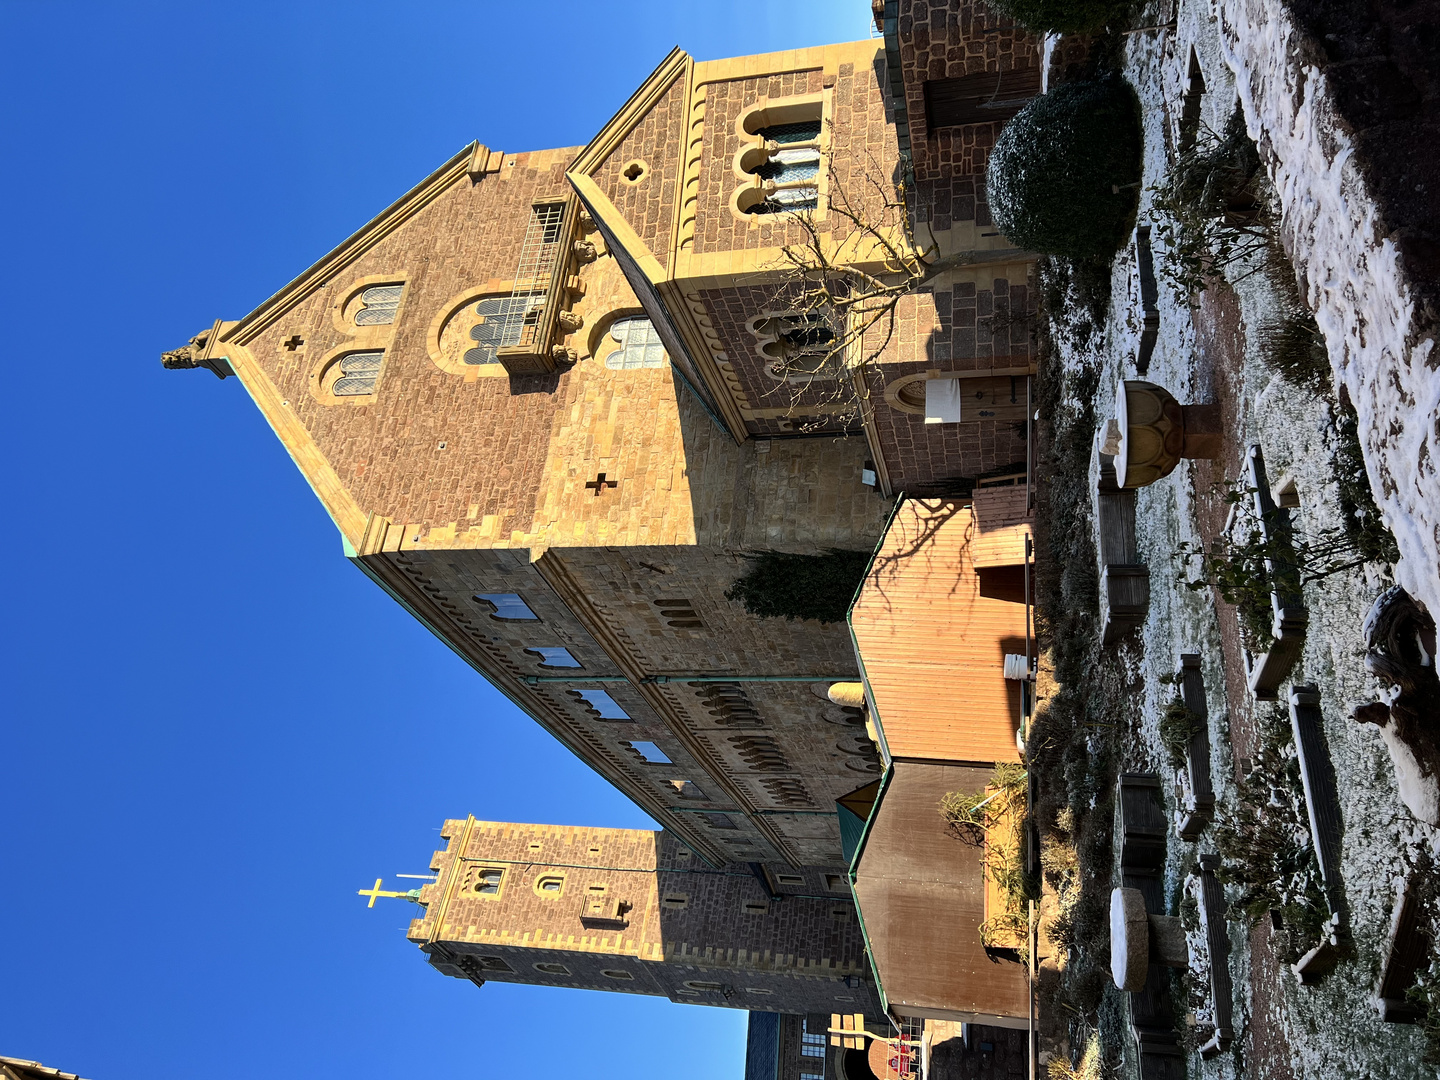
22, 1069
472, 161
585, 173
936, 685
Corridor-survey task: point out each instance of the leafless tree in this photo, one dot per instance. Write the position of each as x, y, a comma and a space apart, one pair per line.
840, 286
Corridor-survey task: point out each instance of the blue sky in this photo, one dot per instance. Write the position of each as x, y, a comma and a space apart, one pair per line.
214, 729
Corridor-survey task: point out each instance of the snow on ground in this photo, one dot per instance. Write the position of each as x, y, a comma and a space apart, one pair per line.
1352, 275
1333, 1029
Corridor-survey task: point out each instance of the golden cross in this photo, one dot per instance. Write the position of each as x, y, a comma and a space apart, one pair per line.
376, 892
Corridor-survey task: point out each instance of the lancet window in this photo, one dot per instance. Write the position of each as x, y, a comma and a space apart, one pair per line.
799, 347
791, 168
782, 154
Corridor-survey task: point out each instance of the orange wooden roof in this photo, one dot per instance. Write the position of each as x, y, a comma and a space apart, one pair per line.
932, 649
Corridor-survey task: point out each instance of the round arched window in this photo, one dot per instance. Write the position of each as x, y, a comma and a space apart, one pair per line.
912, 394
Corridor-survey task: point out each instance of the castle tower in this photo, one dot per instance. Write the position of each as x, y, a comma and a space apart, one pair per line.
635, 911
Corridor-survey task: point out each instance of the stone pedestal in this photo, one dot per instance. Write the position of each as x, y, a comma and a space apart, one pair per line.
1152, 431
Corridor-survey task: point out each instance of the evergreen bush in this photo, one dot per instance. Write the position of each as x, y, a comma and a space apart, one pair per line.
1064, 174
780, 585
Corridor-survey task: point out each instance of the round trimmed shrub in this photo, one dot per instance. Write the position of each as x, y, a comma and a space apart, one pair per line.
1064, 16
1054, 169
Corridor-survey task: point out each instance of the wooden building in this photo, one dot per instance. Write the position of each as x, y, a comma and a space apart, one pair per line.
942, 605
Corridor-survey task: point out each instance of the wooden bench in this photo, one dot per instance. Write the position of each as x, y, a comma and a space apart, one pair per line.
1407, 949
1201, 811
1149, 299
1140, 833
1217, 939
1272, 667
1124, 580
1143, 827
1322, 807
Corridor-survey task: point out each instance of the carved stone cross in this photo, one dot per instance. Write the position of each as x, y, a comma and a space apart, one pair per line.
599, 484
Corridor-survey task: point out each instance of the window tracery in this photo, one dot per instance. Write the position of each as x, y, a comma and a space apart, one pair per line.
640, 345
782, 156
378, 305
798, 346
502, 322
359, 371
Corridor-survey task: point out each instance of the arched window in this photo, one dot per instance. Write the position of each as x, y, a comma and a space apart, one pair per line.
554, 656
359, 371
603, 705
550, 885
615, 973
487, 881
378, 305
791, 167
640, 345
502, 322
552, 969
508, 606
913, 393
798, 346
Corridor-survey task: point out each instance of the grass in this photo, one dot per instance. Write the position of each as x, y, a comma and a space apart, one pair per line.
1263, 838
1072, 747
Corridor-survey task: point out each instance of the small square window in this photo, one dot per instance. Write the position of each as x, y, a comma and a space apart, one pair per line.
686, 790
790, 879
507, 605
649, 752
836, 883
554, 657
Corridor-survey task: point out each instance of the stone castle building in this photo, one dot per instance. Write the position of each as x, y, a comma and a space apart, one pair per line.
552, 400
